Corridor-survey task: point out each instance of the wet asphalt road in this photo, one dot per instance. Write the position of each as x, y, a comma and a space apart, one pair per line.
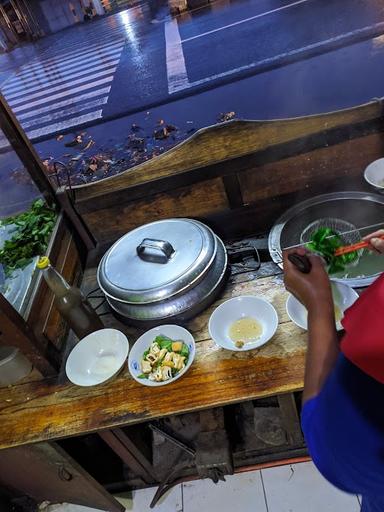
217, 43
122, 64
213, 63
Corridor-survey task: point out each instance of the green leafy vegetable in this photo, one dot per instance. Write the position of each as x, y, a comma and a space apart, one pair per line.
325, 241
143, 376
185, 352
164, 342
31, 236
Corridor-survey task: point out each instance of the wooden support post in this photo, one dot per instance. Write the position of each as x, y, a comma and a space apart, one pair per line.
44, 471
290, 418
128, 452
75, 219
16, 332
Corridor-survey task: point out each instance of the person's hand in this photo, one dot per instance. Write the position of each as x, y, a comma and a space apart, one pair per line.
312, 290
376, 241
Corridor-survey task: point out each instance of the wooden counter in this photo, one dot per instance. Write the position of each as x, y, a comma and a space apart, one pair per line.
50, 409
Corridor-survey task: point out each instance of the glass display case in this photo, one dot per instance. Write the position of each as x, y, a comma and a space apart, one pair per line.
17, 194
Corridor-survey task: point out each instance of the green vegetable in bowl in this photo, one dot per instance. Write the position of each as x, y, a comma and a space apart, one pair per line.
164, 359
325, 241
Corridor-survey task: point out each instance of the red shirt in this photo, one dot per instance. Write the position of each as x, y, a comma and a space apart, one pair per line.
363, 343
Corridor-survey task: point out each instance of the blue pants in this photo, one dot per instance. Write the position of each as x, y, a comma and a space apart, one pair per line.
372, 504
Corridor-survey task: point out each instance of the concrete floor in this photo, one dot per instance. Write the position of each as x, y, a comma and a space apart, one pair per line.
291, 488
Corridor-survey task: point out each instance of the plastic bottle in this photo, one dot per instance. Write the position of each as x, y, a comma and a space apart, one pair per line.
70, 302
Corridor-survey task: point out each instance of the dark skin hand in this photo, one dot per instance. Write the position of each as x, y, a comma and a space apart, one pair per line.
313, 290
376, 241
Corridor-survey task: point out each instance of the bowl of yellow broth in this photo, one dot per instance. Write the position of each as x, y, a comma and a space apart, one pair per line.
343, 297
243, 323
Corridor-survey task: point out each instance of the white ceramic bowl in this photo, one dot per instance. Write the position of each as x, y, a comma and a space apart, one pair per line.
175, 332
239, 307
343, 296
97, 357
374, 174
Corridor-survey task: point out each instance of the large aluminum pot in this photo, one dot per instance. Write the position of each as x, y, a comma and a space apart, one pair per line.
169, 270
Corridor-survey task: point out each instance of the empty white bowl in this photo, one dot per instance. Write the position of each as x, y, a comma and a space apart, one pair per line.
343, 297
174, 332
374, 174
235, 309
97, 357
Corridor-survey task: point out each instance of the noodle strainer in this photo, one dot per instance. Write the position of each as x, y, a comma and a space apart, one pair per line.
348, 233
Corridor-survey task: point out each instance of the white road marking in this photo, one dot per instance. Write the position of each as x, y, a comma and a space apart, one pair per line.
69, 111
106, 38
68, 84
68, 123
261, 15
71, 92
176, 70
64, 103
88, 78
79, 55
282, 56
21, 90
51, 72
60, 65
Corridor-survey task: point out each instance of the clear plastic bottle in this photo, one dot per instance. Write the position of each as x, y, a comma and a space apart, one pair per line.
70, 302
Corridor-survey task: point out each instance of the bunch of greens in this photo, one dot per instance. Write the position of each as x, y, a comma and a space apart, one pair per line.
325, 241
30, 238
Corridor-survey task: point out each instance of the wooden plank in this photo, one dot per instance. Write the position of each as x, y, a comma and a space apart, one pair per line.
187, 177
65, 201
233, 190
290, 419
259, 216
49, 410
46, 472
342, 161
128, 452
195, 201
227, 141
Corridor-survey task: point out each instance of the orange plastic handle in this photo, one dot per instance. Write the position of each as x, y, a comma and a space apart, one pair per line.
351, 248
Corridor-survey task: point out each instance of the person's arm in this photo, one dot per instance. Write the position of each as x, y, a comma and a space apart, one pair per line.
313, 290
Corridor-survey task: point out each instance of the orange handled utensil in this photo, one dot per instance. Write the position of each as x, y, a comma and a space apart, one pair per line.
346, 249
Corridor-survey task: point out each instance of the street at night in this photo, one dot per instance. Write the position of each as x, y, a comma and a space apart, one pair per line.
257, 59
303, 57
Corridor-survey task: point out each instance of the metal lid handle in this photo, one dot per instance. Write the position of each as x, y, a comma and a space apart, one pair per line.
160, 251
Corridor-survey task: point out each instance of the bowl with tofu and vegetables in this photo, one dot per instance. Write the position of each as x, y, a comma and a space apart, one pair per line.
161, 355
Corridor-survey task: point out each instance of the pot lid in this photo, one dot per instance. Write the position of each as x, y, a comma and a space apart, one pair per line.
157, 260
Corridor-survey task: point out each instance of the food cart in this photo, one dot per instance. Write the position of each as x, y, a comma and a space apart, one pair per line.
231, 410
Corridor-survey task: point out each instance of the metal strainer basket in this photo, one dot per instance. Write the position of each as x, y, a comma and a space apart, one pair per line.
351, 234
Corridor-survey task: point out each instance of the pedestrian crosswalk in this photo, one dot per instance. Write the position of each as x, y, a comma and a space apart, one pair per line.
67, 85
